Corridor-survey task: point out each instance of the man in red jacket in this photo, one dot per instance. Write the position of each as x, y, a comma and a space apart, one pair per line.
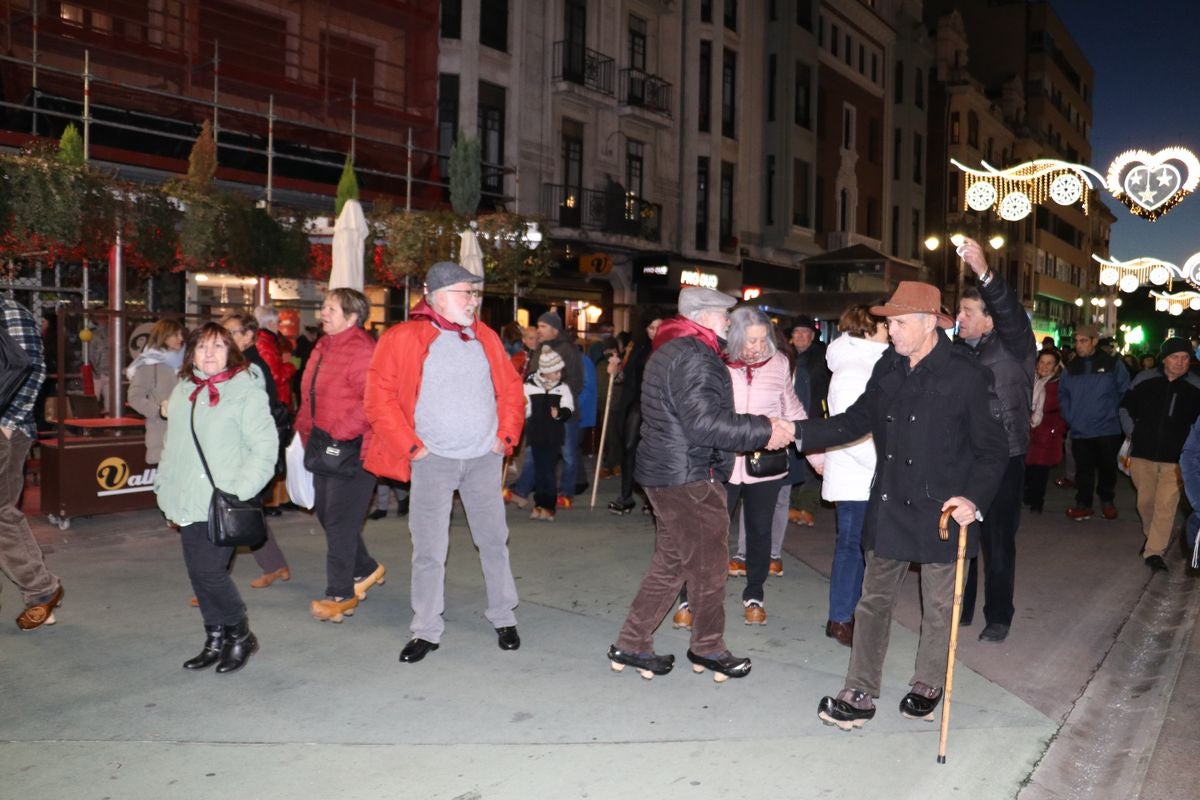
446, 405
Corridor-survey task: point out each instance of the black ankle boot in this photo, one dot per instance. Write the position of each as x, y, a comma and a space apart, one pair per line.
240, 644
214, 641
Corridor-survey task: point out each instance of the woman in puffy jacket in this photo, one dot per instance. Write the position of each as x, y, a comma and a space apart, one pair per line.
762, 384
336, 377
227, 404
152, 376
1048, 429
850, 468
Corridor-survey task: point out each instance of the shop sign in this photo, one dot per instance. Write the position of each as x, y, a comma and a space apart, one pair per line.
751, 292
113, 476
694, 277
597, 263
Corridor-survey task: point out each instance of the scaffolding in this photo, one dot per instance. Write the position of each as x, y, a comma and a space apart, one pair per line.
290, 93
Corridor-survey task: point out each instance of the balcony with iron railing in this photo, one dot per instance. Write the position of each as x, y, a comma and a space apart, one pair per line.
640, 89
580, 65
614, 212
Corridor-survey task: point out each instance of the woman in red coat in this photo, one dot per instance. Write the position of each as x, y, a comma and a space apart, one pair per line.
336, 377
1049, 429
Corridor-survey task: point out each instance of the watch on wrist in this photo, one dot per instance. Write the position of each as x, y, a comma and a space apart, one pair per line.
986, 277
978, 515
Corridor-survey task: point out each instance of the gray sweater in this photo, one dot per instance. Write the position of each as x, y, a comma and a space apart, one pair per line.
456, 406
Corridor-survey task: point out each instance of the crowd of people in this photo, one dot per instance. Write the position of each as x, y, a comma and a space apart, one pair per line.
716, 415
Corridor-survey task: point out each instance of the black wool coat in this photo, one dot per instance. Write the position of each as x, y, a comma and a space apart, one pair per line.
937, 434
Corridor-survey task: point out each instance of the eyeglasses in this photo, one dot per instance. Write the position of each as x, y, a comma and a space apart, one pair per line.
475, 293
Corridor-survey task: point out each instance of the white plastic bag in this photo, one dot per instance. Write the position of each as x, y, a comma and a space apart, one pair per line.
1123, 455
299, 479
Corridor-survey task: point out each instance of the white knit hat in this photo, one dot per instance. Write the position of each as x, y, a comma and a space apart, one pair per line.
549, 361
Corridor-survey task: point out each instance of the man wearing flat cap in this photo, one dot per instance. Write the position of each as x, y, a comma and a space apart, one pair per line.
551, 333
939, 444
1157, 414
1090, 391
446, 406
690, 433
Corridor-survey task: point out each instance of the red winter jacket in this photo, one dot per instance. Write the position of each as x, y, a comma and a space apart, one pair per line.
394, 382
343, 359
282, 371
1046, 440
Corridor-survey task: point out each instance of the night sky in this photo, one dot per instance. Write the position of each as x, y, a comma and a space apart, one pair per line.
1146, 97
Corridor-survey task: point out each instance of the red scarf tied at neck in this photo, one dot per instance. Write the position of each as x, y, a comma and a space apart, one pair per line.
748, 367
211, 382
423, 310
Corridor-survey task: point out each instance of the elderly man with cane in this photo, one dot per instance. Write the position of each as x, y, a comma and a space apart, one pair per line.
939, 443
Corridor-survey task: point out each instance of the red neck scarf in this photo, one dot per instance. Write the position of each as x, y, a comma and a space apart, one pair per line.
678, 327
211, 382
738, 364
423, 310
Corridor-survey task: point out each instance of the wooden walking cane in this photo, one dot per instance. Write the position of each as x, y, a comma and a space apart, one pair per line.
944, 534
603, 434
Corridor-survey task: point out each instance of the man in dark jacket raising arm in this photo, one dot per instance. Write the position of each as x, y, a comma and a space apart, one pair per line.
690, 433
993, 326
939, 444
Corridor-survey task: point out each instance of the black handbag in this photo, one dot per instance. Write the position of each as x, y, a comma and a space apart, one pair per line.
231, 522
767, 463
324, 455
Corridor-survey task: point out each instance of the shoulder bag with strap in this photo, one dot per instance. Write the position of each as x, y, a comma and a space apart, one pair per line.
231, 522
324, 455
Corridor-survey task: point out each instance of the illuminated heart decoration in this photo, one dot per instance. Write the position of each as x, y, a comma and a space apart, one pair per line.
1152, 186
1149, 184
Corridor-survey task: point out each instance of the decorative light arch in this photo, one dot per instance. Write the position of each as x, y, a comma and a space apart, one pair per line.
1013, 192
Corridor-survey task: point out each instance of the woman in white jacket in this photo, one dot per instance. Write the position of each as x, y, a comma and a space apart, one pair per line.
850, 468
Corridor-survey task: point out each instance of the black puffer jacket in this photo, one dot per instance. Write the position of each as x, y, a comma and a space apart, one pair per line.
690, 431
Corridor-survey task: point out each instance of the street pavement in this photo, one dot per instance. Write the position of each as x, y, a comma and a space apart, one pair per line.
1080, 701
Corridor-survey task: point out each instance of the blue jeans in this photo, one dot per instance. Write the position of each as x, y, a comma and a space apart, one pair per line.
845, 581
570, 467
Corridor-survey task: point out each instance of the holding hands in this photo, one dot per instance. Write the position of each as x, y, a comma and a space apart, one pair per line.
783, 433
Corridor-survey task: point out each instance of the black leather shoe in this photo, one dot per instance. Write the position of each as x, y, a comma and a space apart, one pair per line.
1156, 563
273, 511
850, 709
920, 702
378, 513
240, 644
402, 508
416, 649
994, 632
507, 638
647, 664
214, 642
621, 507
725, 665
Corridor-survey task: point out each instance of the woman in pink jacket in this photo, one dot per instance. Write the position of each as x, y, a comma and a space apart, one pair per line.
762, 384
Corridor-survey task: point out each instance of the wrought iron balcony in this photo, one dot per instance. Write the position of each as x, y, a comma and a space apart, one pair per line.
640, 88
581, 65
609, 211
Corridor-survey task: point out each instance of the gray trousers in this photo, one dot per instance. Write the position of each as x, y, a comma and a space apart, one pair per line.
478, 483
873, 623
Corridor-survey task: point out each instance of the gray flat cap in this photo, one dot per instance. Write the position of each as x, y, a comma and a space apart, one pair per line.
447, 273
695, 298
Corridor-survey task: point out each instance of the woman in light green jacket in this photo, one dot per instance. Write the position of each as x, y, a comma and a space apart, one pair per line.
235, 429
